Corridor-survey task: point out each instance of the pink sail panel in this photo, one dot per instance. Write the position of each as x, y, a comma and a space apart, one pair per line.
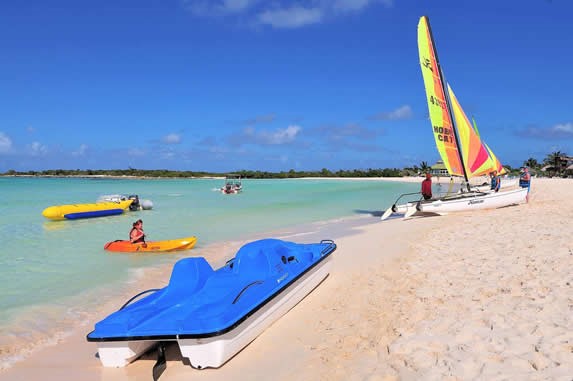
475, 155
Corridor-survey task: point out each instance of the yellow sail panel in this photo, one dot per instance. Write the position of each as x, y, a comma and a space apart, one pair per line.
496, 163
442, 125
474, 153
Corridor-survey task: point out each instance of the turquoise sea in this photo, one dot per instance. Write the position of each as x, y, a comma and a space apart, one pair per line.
54, 273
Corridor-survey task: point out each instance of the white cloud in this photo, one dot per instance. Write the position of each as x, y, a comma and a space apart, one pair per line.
564, 129
403, 112
278, 136
237, 5
350, 5
279, 13
346, 131
5, 143
37, 149
211, 8
291, 17
135, 152
171, 139
81, 151
168, 155
267, 118
558, 131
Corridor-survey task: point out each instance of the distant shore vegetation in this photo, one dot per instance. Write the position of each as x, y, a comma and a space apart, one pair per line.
246, 174
555, 164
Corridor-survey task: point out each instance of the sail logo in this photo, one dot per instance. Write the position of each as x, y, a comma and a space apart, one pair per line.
427, 64
445, 135
437, 102
471, 202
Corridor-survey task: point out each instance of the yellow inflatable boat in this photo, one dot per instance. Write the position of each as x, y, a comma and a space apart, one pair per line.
76, 211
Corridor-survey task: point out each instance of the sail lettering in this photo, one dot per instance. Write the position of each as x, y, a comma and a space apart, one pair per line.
445, 135
426, 63
437, 102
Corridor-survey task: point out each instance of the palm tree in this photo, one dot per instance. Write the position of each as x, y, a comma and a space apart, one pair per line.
531, 163
554, 160
424, 167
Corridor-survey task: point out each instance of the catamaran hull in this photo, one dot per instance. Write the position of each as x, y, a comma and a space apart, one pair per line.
462, 203
474, 201
212, 352
215, 351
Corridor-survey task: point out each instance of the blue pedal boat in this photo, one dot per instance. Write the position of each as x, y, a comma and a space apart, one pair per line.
213, 314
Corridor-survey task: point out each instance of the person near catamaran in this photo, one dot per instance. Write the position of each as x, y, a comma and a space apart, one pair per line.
525, 181
427, 187
495, 181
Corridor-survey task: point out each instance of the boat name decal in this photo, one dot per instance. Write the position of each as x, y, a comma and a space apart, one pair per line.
427, 64
445, 135
437, 102
471, 202
282, 278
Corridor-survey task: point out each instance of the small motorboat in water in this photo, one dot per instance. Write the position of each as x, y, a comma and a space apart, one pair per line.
233, 185
137, 204
152, 246
213, 314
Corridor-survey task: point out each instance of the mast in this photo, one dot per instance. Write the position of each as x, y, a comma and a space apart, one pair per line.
448, 101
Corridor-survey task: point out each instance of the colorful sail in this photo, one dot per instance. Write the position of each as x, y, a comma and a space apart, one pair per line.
475, 126
474, 153
442, 125
496, 163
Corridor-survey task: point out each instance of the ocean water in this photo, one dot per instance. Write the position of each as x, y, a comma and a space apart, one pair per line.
55, 272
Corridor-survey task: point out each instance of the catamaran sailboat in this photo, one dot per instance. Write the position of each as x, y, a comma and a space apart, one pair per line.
463, 151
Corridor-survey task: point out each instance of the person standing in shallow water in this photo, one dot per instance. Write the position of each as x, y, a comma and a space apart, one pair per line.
427, 187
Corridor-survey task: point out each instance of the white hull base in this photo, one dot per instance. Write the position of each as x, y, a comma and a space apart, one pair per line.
460, 203
215, 351
212, 352
117, 354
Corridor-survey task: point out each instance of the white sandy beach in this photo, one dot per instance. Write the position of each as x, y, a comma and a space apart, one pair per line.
484, 295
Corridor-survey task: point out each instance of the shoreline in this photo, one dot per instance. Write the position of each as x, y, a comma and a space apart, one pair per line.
413, 299
405, 179
217, 253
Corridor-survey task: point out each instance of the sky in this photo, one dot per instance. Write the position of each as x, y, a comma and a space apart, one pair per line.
227, 85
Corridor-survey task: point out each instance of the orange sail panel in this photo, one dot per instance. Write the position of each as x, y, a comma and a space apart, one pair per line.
442, 125
475, 154
496, 163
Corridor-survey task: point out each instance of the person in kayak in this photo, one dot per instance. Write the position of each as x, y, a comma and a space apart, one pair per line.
136, 235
